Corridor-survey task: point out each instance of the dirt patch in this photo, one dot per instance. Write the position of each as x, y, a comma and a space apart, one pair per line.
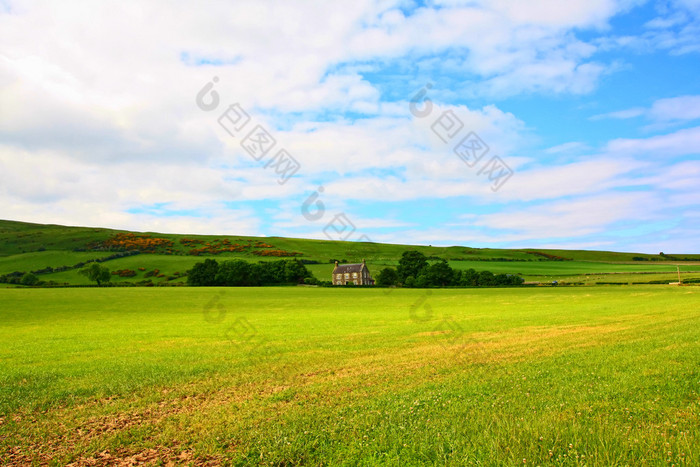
152, 456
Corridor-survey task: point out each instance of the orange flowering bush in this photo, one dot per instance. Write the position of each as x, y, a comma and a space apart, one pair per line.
133, 242
124, 273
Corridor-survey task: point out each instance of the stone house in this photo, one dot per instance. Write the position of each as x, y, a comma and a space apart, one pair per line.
356, 274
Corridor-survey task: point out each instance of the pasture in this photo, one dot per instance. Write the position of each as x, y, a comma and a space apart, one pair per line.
173, 267
164, 259
321, 376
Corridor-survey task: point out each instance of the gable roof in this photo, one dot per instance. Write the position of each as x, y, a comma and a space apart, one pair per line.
343, 268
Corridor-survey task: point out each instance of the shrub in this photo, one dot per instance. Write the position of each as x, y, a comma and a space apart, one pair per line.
124, 273
387, 277
29, 279
97, 273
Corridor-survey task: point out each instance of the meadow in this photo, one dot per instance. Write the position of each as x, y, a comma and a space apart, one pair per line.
324, 376
171, 268
26, 247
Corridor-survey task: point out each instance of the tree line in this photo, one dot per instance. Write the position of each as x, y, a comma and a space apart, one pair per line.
242, 273
414, 270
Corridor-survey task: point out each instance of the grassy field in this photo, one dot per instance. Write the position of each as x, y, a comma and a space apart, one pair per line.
28, 247
298, 375
169, 265
546, 271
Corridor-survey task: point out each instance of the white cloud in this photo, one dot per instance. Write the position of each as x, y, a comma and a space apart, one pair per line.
566, 148
679, 143
621, 114
676, 108
98, 117
571, 218
669, 110
676, 30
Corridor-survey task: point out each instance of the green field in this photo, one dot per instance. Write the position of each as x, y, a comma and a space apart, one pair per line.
322, 376
28, 247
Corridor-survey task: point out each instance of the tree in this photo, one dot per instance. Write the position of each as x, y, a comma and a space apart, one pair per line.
437, 274
203, 273
295, 272
268, 272
97, 273
469, 278
411, 263
501, 279
486, 278
236, 272
508, 279
387, 277
241, 273
29, 279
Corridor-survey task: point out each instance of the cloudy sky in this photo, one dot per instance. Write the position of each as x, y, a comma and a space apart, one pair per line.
488, 123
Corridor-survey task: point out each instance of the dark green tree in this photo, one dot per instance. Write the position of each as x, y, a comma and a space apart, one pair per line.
508, 279
242, 273
29, 279
97, 273
234, 273
468, 278
437, 274
412, 263
422, 280
486, 278
295, 272
204, 273
387, 277
268, 272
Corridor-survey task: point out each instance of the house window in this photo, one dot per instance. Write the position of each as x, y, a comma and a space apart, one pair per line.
347, 275
354, 275
338, 276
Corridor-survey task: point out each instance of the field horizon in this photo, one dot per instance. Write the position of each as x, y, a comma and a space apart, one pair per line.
53, 251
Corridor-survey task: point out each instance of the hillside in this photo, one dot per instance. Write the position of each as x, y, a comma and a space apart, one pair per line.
56, 253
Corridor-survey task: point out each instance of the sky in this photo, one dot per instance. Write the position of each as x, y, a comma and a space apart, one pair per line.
501, 123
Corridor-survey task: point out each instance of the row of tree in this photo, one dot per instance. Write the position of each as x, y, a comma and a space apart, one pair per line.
93, 271
19, 277
414, 270
242, 273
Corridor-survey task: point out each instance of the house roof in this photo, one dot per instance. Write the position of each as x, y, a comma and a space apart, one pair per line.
343, 268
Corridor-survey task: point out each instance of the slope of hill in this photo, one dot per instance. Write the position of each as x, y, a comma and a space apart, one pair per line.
56, 253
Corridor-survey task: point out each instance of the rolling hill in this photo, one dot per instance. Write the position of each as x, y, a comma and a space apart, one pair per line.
56, 253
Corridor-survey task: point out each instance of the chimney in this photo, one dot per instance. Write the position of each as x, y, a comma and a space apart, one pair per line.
336, 263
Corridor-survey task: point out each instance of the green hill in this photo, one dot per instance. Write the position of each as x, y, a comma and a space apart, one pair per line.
56, 253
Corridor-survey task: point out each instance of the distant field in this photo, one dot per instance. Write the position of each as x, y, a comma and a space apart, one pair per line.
568, 267
41, 259
168, 265
299, 375
28, 247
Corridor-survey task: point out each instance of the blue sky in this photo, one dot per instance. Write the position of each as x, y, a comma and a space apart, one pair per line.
119, 115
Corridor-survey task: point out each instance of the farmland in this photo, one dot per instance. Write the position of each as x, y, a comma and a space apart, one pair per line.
292, 375
164, 259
